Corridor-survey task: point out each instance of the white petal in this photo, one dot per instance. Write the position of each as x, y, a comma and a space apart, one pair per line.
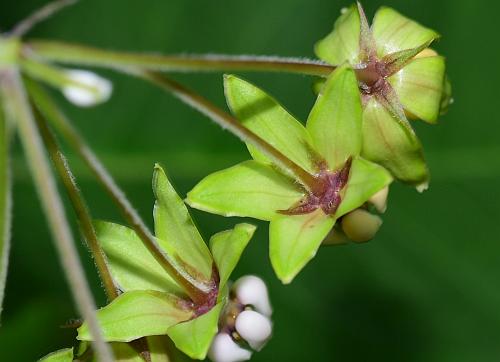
254, 327
224, 349
252, 290
379, 200
84, 97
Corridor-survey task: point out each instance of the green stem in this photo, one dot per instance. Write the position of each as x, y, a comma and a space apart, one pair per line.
51, 75
20, 113
227, 121
85, 55
195, 289
5, 203
79, 206
40, 15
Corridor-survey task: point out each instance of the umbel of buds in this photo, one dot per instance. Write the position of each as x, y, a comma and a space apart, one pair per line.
86, 89
245, 324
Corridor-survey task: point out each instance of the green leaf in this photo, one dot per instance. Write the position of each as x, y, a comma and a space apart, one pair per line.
123, 352
137, 314
227, 247
342, 44
264, 116
335, 120
394, 32
195, 336
387, 142
176, 231
5, 204
294, 240
131, 263
250, 188
365, 179
419, 86
62, 355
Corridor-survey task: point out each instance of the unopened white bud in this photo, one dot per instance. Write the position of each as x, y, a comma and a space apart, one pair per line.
254, 328
379, 199
360, 225
251, 290
224, 349
93, 90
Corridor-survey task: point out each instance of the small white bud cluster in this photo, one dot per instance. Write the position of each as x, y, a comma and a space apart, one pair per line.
245, 322
94, 89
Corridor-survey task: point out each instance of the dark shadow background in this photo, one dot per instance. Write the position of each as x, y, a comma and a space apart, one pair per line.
426, 289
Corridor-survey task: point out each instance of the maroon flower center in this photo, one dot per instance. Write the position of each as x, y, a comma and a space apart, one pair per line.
326, 193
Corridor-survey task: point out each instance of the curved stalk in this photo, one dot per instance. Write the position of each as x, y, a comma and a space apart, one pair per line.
40, 15
85, 55
226, 121
20, 113
79, 206
5, 203
197, 291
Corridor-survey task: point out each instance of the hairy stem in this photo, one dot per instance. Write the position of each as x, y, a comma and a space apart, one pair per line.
195, 289
226, 121
85, 55
20, 112
5, 203
40, 15
79, 206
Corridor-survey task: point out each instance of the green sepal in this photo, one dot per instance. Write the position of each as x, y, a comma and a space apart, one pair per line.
342, 44
227, 247
265, 117
394, 32
365, 179
335, 119
123, 352
294, 240
419, 86
159, 348
388, 143
131, 264
137, 314
194, 337
62, 355
176, 231
251, 188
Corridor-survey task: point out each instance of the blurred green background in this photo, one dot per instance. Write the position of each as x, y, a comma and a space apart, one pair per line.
426, 289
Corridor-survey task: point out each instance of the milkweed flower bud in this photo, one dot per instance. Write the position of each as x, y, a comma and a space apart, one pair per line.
379, 200
88, 88
254, 328
224, 349
251, 290
360, 225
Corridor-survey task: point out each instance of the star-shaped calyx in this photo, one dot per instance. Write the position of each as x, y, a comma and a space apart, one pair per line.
325, 153
399, 78
152, 302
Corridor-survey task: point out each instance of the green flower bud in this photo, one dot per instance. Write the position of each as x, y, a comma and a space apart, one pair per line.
360, 225
379, 200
